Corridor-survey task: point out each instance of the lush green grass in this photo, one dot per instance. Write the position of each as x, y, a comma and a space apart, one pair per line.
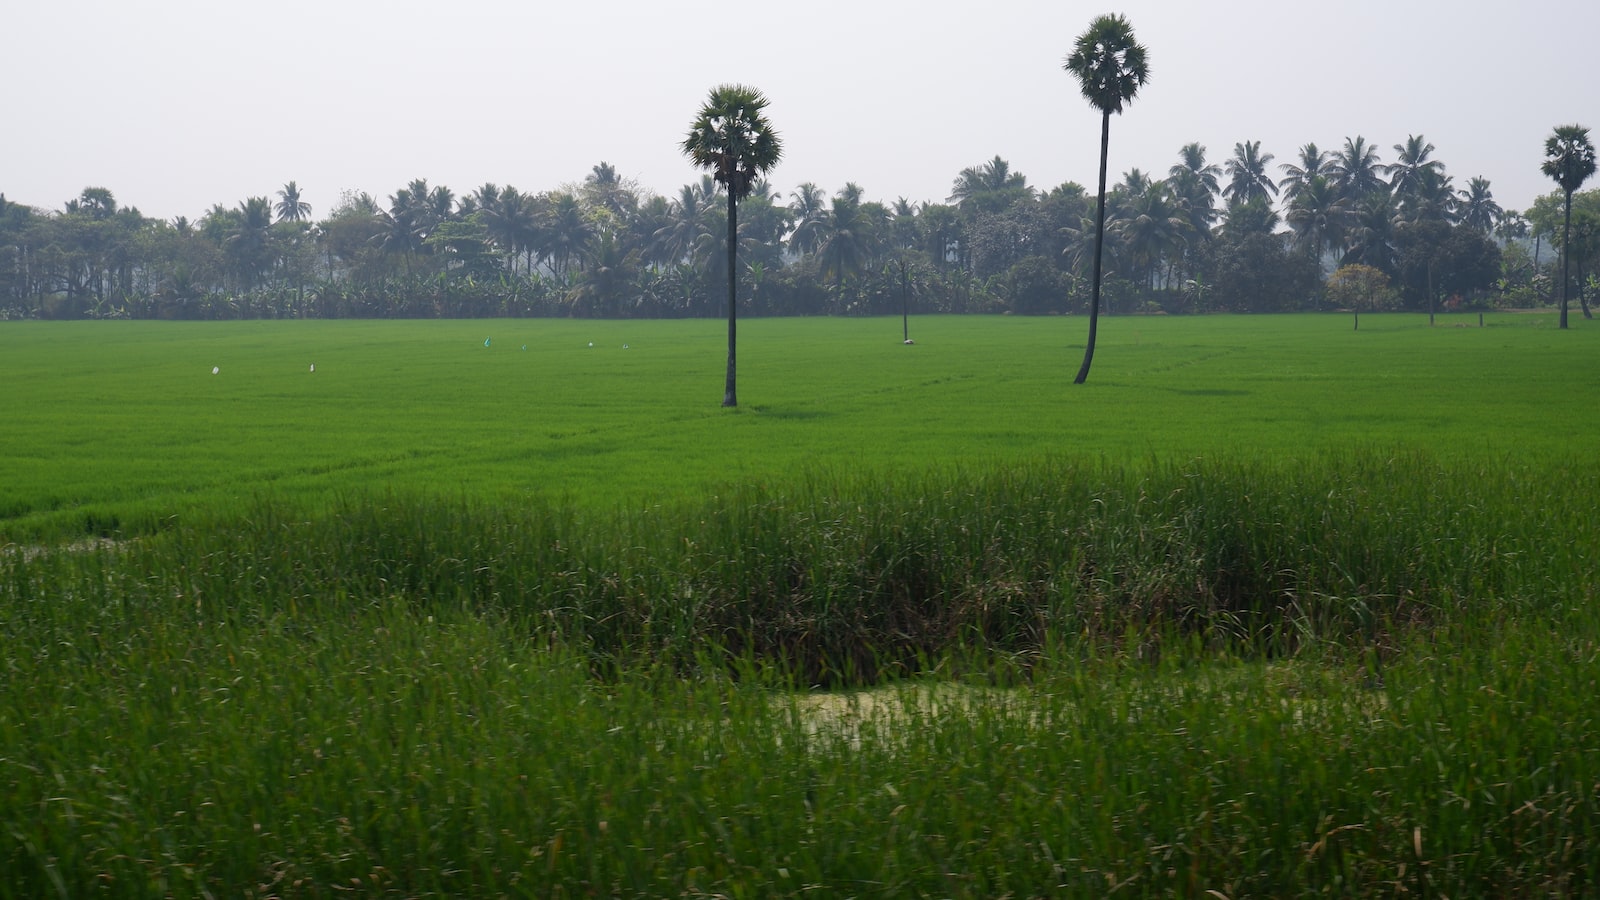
156, 742
120, 425
1270, 607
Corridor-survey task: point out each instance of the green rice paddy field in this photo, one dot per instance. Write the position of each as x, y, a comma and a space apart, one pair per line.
119, 425
1270, 607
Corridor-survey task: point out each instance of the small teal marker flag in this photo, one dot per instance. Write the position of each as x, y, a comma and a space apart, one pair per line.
486, 342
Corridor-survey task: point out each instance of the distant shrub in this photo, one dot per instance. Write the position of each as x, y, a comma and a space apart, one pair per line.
1361, 288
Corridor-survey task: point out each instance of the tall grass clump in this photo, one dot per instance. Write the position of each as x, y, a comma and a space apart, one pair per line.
435, 751
850, 576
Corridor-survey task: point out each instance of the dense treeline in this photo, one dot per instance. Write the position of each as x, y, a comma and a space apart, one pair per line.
1333, 230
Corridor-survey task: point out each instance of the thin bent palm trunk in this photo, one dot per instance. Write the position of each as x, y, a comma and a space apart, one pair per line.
729, 395
1099, 244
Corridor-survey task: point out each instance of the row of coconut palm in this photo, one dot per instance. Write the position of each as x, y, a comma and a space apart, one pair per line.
1148, 220
588, 247
829, 250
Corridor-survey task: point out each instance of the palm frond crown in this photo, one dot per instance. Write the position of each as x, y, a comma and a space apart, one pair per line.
733, 139
1569, 157
1110, 65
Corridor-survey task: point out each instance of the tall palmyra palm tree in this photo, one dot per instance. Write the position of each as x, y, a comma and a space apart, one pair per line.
1110, 67
732, 138
290, 207
1569, 159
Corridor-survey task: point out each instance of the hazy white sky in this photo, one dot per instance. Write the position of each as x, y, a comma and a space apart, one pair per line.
179, 104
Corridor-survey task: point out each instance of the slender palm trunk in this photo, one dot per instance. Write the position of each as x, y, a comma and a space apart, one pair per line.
905, 305
1431, 297
730, 397
1566, 246
1099, 245
1583, 294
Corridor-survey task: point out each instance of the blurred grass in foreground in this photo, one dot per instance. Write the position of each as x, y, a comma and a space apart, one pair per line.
1359, 674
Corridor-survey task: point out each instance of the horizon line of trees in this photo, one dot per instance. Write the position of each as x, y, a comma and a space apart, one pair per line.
1330, 229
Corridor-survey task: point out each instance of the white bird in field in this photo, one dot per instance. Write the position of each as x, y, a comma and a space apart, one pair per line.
313, 367
215, 369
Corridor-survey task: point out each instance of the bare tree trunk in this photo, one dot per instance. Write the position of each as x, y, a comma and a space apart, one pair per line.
1099, 245
1583, 282
905, 305
1566, 247
730, 396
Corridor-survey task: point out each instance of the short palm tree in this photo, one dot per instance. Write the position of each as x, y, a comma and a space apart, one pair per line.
1311, 164
732, 138
675, 241
1569, 159
1407, 174
1110, 67
1372, 231
290, 207
1432, 198
992, 181
1510, 225
848, 239
1153, 227
1247, 175
1355, 170
1318, 216
248, 246
1195, 183
808, 209
564, 234
1477, 207
605, 189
